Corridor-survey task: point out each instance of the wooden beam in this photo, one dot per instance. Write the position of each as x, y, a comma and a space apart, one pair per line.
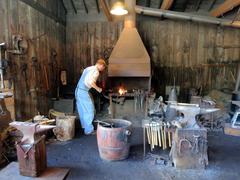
106, 10
167, 4
211, 5
197, 5
97, 4
64, 7
228, 5
185, 5
85, 6
237, 15
160, 3
35, 5
74, 7
148, 3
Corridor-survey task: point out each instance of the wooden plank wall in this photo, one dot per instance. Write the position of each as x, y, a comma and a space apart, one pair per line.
86, 42
44, 35
195, 54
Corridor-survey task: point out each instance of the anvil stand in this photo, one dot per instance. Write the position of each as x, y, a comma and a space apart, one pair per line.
189, 146
31, 150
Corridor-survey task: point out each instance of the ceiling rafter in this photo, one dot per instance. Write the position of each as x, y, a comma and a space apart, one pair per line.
227, 6
97, 4
167, 4
148, 3
197, 4
160, 3
185, 5
73, 6
106, 10
85, 6
212, 4
64, 7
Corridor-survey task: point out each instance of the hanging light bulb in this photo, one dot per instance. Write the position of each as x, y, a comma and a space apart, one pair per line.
119, 9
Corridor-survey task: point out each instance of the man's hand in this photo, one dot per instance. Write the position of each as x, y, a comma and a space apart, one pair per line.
99, 89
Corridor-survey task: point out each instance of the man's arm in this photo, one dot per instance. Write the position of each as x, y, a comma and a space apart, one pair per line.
91, 79
93, 85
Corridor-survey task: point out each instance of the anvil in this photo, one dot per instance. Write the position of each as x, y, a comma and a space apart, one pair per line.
190, 111
29, 130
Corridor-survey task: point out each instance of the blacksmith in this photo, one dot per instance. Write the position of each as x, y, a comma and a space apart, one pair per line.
85, 105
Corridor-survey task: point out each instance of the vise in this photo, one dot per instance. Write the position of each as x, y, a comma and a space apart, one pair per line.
190, 111
30, 130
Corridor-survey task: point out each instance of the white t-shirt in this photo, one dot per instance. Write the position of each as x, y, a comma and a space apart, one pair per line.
91, 76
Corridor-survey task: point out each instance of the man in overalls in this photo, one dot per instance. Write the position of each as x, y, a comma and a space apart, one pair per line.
84, 102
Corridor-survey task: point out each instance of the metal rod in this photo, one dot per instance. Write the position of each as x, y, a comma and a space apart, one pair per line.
1, 71
184, 16
144, 141
169, 139
159, 137
111, 106
238, 79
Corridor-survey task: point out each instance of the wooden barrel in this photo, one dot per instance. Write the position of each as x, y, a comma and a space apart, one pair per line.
113, 141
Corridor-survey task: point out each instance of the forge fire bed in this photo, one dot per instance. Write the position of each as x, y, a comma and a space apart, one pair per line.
137, 96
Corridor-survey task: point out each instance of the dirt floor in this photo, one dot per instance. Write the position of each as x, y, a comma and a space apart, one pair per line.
81, 156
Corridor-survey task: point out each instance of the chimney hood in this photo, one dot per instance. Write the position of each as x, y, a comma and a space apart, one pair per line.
129, 57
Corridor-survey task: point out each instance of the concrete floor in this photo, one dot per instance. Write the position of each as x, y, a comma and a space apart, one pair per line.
81, 156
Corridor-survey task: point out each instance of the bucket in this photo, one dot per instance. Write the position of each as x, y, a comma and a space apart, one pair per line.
65, 128
113, 139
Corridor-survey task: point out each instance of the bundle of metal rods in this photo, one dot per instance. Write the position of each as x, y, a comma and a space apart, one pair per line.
157, 134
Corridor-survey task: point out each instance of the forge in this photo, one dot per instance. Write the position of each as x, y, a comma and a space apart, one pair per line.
129, 73
129, 64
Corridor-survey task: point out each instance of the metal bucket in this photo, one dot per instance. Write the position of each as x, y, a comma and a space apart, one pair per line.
113, 139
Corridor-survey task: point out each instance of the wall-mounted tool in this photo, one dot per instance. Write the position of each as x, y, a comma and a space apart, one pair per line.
23, 69
2, 46
53, 67
19, 44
